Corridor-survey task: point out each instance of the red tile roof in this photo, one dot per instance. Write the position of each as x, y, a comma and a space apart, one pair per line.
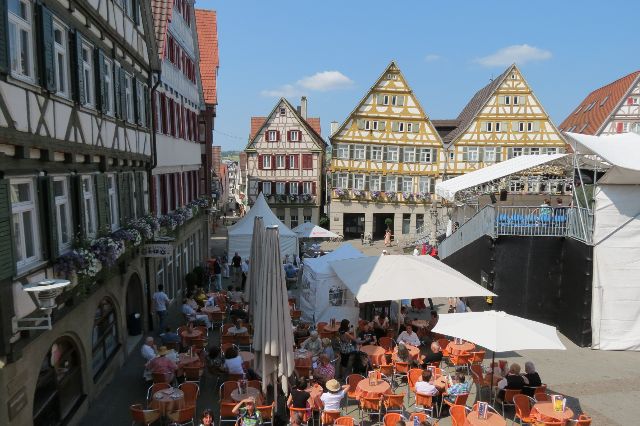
161, 10
315, 124
256, 123
597, 107
207, 27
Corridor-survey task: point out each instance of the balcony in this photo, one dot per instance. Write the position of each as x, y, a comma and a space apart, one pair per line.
359, 195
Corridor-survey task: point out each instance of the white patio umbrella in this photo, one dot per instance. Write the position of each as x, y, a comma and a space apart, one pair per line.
499, 331
309, 230
395, 277
273, 334
257, 243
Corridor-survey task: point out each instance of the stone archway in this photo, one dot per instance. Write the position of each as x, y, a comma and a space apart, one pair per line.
134, 306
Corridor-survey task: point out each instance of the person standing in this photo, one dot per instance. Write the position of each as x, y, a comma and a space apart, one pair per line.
225, 265
236, 264
245, 272
217, 273
160, 301
387, 238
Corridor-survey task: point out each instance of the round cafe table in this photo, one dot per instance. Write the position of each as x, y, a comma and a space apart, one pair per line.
329, 329
251, 393
492, 419
544, 411
440, 382
463, 347
414, 352
209, 309
191, 334
365, 389
168, 400
314, 400
375, 353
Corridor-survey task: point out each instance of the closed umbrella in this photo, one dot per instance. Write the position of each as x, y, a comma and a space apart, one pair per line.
273, 335
499, 331
257, 244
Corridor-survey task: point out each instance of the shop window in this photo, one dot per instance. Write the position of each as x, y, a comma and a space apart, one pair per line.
105, 336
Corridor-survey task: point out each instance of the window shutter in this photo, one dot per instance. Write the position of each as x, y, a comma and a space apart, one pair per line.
47, 217
379, 99
286, 188
123, 95
101, 102
481, 154
400, 155
139, 179
45, 40
504, 126
415, 128
536, 126
384, 153
4, 61
394, 126
483, 126
273, 162
80, 95
135, 95
498, 154
116, 90
514, 126
259, 187
260, 162
300, 185
287, 163
366, 182
629, 101
400, 100
509, 153
135, 11
7, 260
147, 106
122, 196
360, 123
382, 125
465, 153
619, 127
102, 205
277, 135
78, 208
351, 150
350, 180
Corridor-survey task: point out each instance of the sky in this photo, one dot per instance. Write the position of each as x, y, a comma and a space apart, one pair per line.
333, 51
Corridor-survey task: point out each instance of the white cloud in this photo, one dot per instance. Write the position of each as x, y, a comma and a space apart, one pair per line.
432, 57
518, 53
323, 81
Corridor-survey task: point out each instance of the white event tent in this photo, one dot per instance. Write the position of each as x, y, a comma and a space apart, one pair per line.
309, 230
240, 234
322, 295
615, 305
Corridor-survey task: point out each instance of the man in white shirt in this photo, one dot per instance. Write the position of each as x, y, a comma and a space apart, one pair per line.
160, 301
409, 337
424, 386
245, 272
192, 315
148, 352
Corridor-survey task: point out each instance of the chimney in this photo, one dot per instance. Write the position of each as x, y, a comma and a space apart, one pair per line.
334, 127
303, 107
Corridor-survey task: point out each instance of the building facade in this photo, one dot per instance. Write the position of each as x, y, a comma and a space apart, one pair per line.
285, 157
385, 161
611, 109
502, 120
76, 150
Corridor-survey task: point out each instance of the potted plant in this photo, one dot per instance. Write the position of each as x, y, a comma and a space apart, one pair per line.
388, 222
391, 195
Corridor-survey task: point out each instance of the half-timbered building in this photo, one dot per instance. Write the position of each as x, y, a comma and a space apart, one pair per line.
385, 161
285, 157
75, 151
610, 109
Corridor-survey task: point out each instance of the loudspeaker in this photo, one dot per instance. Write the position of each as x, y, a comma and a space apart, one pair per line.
493, 198
503, 195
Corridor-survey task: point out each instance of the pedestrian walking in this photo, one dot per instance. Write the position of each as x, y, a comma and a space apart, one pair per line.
387, 238
236, 264
160, 301
225, 265
217, 273
245, 272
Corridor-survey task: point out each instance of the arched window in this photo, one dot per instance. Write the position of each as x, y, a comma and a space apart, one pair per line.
59, 389
105, 336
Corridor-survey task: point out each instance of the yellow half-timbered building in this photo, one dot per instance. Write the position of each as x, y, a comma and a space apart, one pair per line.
385, 161
503, 120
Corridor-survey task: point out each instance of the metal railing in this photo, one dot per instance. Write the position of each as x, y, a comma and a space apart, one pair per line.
482, 223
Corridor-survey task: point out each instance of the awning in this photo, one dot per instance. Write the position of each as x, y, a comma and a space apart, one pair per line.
449, 188
621, 151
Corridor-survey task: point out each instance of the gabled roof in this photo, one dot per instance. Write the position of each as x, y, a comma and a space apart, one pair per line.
162, 10
207, 27
594, 110
474, 106
311, 124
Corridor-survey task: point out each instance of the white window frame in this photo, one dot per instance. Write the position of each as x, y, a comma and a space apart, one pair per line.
516, 100
392, 154
425, 184
307, 187
293, 162
426, 155
128, 97
21, 33
266, 162
497, 126
473, 154
266, 188
283, 111
359, 152
534, 150
407, 184
521, 126
529, 126
385, 99
89, 206
394, 100
87, 70
107, 75
358, 181
306, 219
409, 155
376, 153
343, 151
342, 180
489, 126
63, 218
507, 100
280, 188
551, 150
400, 126
367, 125
635, 127
112, 199
281, 162
374, 125
294, 135
272, 135
391, 183
375, 183
409, 127
293, 187
61, 59
142, 107
489, 155
18, 209
516, 152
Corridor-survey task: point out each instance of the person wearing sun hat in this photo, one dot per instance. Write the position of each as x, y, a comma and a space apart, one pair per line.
162, 364
333, 397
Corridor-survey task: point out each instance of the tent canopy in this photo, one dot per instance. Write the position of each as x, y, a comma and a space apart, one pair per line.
320, 265
395, 277
240, 234
622, 152
309, 230
449, 188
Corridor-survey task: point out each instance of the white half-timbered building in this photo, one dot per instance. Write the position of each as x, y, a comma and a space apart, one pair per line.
285, 158
75, 152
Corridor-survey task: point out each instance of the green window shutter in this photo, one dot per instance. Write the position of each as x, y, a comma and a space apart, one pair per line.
130, 187
350, 181
99, 68
7, 260
483, 126
416, 128
498, 154
351, 149
78, 207
116, 90
360, 123
400, 100
366, 182
45, 40
102, 203
80, 95
384, 153
4, 38
147, 105
514, 126
134, 92
139, 179
504, 127
400, 155
122, 199
123, 95
382, 125
536, 126
394, 126
49, 218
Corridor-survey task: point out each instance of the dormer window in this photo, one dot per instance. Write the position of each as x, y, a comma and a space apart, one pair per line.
283, 111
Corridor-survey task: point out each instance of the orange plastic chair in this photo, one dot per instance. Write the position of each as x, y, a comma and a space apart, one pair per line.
266, 411
386, 372
226, 388
226, 339
583, 420
390, 419
155, 388
541, 397
192, 373
413, 376
191, 391
244, 342
426, 401
458, 415
394, 402
369, 406
226, 412
444, 344
328, 417
182, 416
508, 398
387, 344
461, 399
523, 408
479, 379
400, 369
162, 377
202, 329
550, 423
305, 413
218, 317
460, 360
345, 421
352, 380
140, 415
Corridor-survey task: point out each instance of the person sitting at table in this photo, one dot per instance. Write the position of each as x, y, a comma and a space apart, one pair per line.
206, 418
402, 353
327, 348
295, 420
237, 328
162, 364
148, 352
299, 397
313, 344
513, 380
191, 301
233, 361
380, 325
459, 386
169, 336
235, 296
366, 335
247, 413
332, 398
325, 371
434, 354
533, 379
200, 297
425, 387
191, 314
433, 320
409, 337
